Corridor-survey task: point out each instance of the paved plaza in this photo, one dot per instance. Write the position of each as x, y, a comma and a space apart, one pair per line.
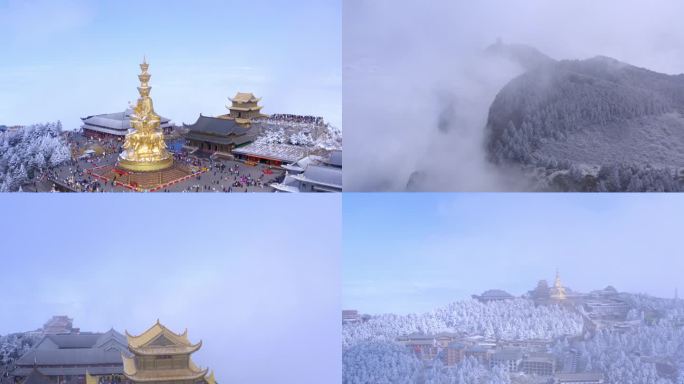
216, 175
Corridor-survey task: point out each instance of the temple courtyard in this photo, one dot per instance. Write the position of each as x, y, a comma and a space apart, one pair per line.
138, 150
200, 173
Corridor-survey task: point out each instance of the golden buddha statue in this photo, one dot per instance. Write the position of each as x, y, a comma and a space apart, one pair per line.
558, 291
145, 148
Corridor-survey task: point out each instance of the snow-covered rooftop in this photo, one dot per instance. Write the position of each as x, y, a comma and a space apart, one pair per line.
282, 152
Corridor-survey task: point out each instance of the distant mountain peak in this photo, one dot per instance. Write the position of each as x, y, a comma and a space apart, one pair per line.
527, 56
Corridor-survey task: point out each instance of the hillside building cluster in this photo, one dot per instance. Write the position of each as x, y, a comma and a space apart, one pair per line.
599, 309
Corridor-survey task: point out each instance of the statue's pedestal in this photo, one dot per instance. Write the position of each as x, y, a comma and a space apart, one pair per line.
147, 166
144, 181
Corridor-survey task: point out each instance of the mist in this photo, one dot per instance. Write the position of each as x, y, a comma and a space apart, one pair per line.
412, 253
258, 291
417, 86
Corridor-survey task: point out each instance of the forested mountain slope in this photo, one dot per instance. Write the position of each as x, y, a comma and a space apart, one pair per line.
596, 124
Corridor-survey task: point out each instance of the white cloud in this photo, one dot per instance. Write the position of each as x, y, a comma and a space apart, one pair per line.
31, 21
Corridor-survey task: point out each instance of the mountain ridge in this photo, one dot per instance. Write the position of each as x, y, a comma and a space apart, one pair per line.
598, 112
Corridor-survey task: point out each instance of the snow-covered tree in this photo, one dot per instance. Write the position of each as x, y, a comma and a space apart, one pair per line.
509, 319
26, 152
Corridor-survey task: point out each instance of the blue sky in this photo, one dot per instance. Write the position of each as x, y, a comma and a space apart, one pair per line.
66, 59
255, 277
408, 253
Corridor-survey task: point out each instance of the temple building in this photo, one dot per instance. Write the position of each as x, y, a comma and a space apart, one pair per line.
215, 134
66, 358
541, 291
276, 155
163, 357
59, 325
557, 292
313, 174
493, 295
245, 108
508, 359
224, 133
115, 125
35, 377
144, 148
541, 364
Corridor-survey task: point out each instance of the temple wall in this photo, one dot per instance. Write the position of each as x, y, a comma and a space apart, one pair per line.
162, 362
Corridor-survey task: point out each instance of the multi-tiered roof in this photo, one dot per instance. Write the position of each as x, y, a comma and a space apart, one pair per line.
244, 108
160, 355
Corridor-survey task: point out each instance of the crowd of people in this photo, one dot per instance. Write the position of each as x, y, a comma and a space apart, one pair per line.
223, 178
84, 183
113, 379
72, 174
288, 118
219, 175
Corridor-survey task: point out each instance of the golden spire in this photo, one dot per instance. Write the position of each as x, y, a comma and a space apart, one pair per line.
145, 148
558, 289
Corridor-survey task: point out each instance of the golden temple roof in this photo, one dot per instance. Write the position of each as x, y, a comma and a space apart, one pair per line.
157, 344
160, 340
244, 97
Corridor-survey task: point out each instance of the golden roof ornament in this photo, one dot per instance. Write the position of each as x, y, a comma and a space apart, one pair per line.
145, 148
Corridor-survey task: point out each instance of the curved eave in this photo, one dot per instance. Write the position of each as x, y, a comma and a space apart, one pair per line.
128, 365
210, 379
199, 375
252, 100
244, 109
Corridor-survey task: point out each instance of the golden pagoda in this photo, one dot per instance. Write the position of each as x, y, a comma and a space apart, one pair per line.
162, 356
558, 291
244, 108
145, 148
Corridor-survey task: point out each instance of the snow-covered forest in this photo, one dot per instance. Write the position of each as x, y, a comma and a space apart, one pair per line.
629, 358
567, 115
510, 319
649, 354
380, 362
317, 135
14, 345
652, 352
27, 151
